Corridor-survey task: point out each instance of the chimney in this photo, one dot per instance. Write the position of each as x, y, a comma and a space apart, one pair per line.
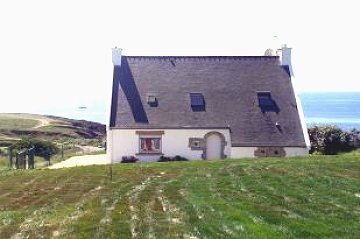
116, 56
285, 57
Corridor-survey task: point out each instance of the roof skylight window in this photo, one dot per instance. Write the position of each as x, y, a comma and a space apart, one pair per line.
266, 103
197, 102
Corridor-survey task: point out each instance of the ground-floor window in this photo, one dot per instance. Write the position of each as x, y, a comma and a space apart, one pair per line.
150, 144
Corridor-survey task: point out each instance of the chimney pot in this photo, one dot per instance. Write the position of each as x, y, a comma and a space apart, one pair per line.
285, 57
116, 56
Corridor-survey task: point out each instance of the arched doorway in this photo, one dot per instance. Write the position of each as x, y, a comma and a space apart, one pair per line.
213, 147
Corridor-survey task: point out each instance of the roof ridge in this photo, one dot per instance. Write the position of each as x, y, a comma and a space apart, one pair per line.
202, 57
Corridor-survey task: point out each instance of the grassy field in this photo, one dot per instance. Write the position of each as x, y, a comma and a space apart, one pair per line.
69, 135
17, 123
16, 126
315, 197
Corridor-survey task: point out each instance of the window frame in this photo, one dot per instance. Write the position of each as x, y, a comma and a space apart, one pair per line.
266, 96
200, 97
151, 137
197, 102
151, 99
266, 102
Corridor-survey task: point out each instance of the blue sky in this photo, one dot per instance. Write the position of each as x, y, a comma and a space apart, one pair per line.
57, 54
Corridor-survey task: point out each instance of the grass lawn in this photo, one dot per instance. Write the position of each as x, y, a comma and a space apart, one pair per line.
315, 197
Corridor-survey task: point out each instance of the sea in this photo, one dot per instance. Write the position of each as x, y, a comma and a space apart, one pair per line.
331, 108
341, 109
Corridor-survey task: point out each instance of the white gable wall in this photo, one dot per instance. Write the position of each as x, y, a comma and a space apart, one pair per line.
125, 142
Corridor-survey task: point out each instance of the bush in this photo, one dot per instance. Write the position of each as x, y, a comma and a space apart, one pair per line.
171, 159
129, 159
44, 149
330, 139
3, 152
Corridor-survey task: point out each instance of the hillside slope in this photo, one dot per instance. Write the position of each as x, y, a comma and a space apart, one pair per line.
16, 126
315, 197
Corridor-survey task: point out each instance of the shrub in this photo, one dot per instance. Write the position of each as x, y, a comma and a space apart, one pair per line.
3, 152
44, 149
179, 158
129, 159
171, 159
164, 159
330, 139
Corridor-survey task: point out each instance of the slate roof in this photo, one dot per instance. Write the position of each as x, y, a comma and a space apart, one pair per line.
229, 84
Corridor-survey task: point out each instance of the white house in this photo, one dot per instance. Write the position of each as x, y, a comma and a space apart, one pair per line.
204, 107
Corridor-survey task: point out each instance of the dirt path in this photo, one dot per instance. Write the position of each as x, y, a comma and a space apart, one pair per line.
81, 161
42, 122
90, 149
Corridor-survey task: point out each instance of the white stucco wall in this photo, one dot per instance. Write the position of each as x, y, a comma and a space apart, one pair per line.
243, 152
109, 140
125, 142
285, 58
248, 152
296, 151
303, 122
301, 112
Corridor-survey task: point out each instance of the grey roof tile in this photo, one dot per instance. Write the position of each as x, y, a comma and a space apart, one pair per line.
229, 85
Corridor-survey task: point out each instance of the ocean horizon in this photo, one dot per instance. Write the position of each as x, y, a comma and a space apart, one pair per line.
331, 108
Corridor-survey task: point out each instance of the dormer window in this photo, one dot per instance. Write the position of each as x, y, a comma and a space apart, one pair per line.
197, 102
151, 99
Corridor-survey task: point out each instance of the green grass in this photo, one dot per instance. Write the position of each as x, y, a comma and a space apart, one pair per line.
17, 123
69, 151
315, 197
66, 130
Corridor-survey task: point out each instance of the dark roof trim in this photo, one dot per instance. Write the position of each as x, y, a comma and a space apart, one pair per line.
287, 69
114, 96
